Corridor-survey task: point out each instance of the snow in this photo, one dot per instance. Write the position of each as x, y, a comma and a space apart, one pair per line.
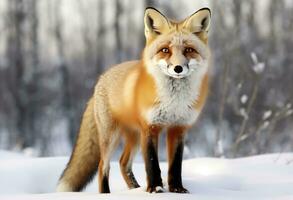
243, 113
267, 114
258, 67
265, 124
289, 112
259, 177
244, 99
9, 155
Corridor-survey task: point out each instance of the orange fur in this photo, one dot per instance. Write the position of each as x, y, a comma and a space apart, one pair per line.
204, 89
174, 135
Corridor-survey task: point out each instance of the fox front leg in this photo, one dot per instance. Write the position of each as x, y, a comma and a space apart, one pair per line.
175, 146
150, 153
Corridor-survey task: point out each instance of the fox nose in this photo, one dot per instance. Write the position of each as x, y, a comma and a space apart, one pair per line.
178, 69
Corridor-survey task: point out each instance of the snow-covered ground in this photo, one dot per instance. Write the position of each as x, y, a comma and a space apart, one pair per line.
260, 177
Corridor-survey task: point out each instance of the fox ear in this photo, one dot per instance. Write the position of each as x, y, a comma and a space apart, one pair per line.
155, 23
199, 21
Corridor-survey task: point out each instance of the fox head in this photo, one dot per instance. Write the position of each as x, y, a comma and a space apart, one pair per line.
176, 49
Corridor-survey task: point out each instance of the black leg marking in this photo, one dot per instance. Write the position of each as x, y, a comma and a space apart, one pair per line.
152, 168
174, 173
105, 184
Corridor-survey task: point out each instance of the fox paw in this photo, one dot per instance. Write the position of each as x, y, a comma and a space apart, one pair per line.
178, 189
155, 189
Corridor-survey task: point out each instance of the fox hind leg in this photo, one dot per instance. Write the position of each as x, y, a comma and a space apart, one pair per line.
130, 149
108, 140
108, 146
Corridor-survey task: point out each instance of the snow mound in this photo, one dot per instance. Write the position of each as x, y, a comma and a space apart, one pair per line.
11, 155
258, 177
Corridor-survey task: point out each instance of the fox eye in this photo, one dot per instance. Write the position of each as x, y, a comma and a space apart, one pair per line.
165, 50
189, 50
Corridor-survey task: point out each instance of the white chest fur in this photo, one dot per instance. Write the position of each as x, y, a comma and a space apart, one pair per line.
176, 98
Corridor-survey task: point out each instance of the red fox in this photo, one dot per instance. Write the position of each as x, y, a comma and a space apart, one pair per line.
135, 100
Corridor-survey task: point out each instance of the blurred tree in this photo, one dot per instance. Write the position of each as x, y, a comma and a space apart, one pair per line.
15, 61
118, 34
100, 43
33, 80
66, 101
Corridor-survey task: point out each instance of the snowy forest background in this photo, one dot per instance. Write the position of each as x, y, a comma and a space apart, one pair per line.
52, 51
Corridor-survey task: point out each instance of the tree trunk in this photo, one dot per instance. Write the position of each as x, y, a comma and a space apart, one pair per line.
100, 37
33, 71
15, 61
118, 50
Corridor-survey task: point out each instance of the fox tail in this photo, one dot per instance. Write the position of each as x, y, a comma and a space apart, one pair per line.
84, 160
